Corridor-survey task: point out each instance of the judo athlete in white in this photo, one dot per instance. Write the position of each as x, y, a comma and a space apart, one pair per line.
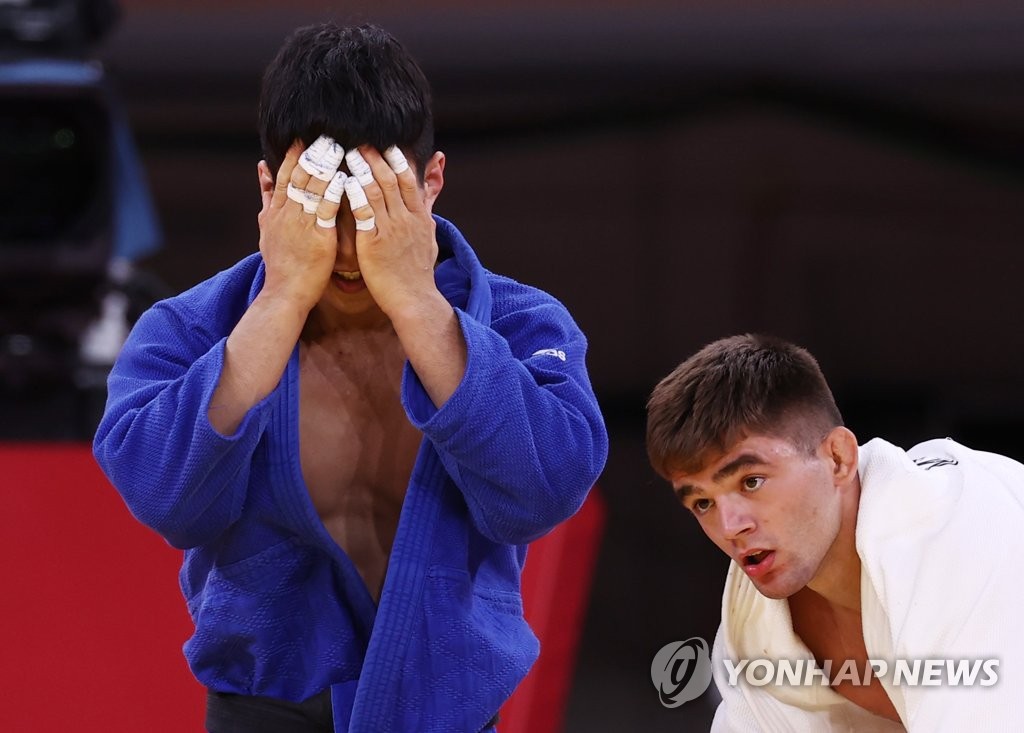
897, 572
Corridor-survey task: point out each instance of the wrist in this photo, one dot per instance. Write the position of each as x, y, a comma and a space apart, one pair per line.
419, 312
279, 298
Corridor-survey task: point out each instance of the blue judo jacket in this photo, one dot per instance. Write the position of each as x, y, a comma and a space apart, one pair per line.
279, 609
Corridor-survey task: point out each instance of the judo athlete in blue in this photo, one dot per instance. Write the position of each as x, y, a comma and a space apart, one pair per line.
354, 433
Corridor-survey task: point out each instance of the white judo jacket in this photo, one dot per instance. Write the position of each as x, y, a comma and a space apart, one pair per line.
940, 534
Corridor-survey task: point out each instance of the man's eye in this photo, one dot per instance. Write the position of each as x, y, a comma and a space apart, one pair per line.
753, 483
701, 506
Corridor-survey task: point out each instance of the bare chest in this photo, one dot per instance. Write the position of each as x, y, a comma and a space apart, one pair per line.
357, 449
839, 642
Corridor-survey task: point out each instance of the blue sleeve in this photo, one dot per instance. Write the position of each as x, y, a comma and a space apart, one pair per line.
522, 436
176, 473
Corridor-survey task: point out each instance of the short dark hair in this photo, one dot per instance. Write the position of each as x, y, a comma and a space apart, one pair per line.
733, 387
356, 84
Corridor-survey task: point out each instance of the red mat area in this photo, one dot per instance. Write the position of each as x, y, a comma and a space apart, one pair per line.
93, 621
556, 586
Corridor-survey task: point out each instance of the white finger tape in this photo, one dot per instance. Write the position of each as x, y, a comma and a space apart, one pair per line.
356, 194
336, 188
358, 166
319, 146
366, 225
396, 159
310, 201
327, 223
322, 158
315, 151
296, 195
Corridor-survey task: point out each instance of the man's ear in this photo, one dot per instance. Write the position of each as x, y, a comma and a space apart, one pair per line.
266, 179
433, 179
843, 452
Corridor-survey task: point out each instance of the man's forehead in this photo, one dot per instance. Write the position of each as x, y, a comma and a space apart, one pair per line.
746, 450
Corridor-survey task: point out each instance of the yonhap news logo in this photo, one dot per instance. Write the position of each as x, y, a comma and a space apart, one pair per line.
829, 672
681, 671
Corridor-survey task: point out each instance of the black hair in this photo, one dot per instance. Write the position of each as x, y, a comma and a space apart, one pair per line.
356, 84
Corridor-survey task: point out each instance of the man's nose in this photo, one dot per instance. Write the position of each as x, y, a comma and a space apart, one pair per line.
735, 515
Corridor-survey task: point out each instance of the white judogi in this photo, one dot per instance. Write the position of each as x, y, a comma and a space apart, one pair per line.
940, 534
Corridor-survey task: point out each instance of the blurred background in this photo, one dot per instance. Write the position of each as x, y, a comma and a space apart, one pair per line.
848, 175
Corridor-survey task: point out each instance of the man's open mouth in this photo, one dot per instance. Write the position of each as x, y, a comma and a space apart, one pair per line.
755, 558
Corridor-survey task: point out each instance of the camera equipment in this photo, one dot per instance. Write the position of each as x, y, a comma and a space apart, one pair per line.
70, 191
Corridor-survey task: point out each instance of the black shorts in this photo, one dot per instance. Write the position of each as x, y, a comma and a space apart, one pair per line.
227, 713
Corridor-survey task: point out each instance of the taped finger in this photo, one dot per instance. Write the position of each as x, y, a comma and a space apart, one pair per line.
359, 167
296, 194
327, 211
356, 194
396, 159
309, 200
336, 188
322, 158
312, 203
360, 206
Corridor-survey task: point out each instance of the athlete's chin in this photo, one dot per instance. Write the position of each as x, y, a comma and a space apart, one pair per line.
354, 302
775, 594
778, 588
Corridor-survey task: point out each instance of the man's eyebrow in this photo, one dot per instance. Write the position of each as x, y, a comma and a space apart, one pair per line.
685, 490
741, 461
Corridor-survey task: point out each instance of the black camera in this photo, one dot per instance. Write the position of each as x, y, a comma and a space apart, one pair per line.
69, 180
